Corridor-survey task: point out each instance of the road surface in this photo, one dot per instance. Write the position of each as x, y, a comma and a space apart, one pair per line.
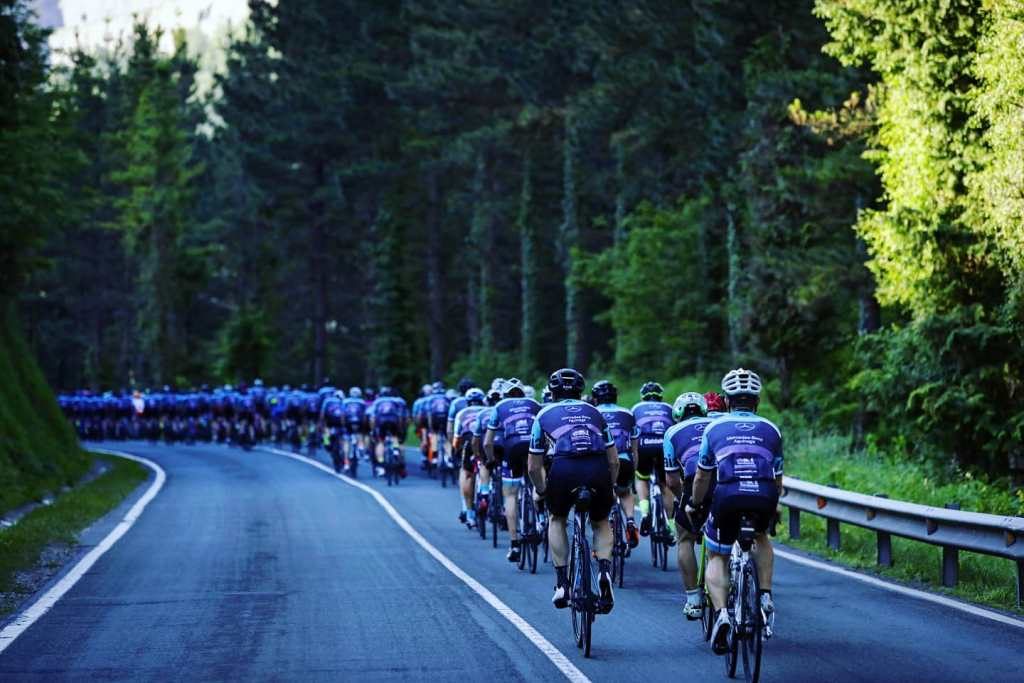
254, 566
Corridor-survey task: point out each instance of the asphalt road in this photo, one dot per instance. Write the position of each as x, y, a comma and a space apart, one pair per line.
251, 565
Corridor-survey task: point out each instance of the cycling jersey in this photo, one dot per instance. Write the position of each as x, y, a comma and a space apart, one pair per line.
456, 407
465, 421
355, 412
513, 417
333, 412
573, 429
743, 448
436, 409
387, 409
653, 418
682, 445
622, 426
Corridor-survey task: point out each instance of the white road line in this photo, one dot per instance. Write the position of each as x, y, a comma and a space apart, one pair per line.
533, 635
902, 590
50, 597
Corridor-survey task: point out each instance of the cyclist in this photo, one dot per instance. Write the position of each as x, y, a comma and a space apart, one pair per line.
436, 409
744, 450
623, 428
330, 425
715, 403
457, 404
388, 415
584, 456
420, 418
462, 443
682, 444
653, 416
355, 421
513, 417
484, 466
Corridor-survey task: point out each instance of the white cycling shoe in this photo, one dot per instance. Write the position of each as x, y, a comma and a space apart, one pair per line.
720, 633
693, 610
767, 604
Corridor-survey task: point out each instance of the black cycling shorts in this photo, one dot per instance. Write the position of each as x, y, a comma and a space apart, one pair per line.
387, 429
729, 503
651, 459
626, 473
514, 462
570, 473
682, 519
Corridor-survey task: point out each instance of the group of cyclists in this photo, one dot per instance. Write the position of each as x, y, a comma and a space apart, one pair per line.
706, 462
691, 472
344, 423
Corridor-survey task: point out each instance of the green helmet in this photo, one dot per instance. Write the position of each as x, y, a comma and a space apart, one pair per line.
690, 398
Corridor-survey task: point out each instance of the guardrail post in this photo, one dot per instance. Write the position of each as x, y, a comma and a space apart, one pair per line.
1020, 584
794, 522
950, 558
833, 534
884, 544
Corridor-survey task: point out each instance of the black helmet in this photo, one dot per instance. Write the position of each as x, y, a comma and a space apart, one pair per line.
566, 383
386, 391
493, 396
464, 385
652, 391
605, 392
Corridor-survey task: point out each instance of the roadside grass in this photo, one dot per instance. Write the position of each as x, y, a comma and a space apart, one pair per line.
23, 547
827, 459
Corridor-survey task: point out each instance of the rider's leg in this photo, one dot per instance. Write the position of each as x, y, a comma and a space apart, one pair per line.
643, 492
558, 541
717, 579
510, 492
603, 539
687, 560
764, 558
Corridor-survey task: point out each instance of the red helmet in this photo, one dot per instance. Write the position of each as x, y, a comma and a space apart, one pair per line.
716, 404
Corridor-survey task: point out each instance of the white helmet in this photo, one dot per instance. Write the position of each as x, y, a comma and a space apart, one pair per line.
690, 398
355, 392
339, 393
496, 383
529, 391
740, 382
511, 385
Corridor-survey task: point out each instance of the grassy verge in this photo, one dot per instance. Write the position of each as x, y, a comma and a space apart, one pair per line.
827, 460
35, 547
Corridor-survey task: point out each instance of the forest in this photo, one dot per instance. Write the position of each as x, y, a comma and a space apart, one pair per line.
392, 191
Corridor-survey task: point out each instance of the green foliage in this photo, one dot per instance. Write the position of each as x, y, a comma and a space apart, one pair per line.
245, 345
38, 449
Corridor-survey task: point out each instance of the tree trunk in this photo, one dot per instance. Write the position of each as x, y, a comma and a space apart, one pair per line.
528, 271
435, 290
483, 238
318, 275
733, 305
569, 240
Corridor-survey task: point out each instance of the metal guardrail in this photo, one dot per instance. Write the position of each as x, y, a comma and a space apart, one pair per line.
948, 527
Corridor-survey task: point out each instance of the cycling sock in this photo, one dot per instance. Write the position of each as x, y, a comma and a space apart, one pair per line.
693, 596
562, 576
604, 566
515, 542
765, 591
645, 507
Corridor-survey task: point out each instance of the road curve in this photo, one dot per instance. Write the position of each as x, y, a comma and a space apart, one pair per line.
250, 565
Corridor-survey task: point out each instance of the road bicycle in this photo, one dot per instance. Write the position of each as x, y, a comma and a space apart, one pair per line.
661, 537
495, 506
445, 466
583, 602
749, 625
620, 543
528, 527
392, 460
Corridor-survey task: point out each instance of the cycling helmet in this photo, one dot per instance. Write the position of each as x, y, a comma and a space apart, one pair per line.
464, 385
339, 393
325, 382
426, 389
740, 382
451, 394
257, 382
497, 382
566, 383
369, 394
513, 388
529, 391
652, 391
715, 402
475, 397
689, 404
386, 391
437, 388
605, 392
493, 396
355, 392
545, 396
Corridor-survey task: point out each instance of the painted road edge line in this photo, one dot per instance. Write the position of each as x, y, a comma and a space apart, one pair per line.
553, 654
46, 602
902, 590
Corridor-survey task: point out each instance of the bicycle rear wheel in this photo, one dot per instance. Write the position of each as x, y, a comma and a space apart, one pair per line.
751, 640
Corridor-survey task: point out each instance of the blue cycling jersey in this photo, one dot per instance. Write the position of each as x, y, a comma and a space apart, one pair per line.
513, 419
682, 444
622, 426
465, 421
573, 429
653, 418
743, 447
355, 410
456, 406
388, 409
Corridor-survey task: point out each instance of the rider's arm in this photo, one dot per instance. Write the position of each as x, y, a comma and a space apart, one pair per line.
672, 478
612, 453
535, 461
451, 431
489, 444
